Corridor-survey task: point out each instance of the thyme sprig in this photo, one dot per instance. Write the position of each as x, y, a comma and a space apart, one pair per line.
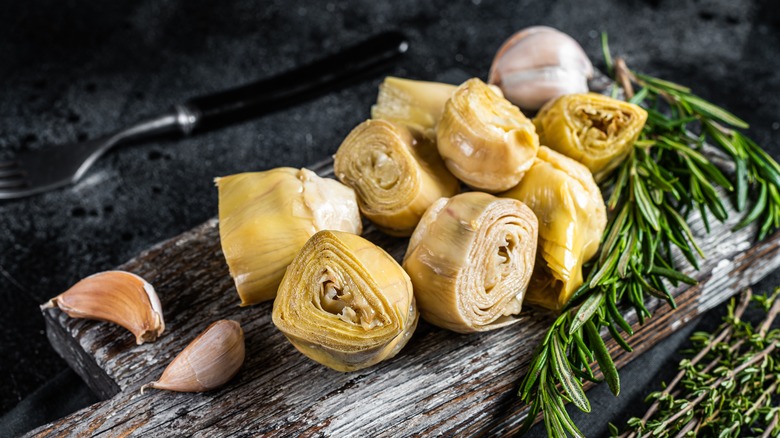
665, 177
731, 386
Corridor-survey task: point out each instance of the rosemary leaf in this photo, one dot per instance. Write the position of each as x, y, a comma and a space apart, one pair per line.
563, 372
603, 358
586, 311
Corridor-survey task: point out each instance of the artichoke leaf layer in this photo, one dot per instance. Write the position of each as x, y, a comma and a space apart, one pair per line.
470, 260
415, 104
266, 217
485, 141
596, 130
397, 174
345, 303
572, 218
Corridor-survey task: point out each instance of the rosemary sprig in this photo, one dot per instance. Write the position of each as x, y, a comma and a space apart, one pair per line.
731, 386
665, 177
754, 168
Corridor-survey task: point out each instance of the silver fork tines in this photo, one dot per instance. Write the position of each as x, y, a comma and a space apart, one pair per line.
35, 171
12, 175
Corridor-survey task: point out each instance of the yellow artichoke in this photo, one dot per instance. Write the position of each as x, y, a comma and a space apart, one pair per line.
485, 141
266, 217
470, 260
345, 303
595, 130
415, 104
572, 217
396, 174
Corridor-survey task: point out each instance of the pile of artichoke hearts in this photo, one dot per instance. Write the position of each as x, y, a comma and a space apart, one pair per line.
500, 210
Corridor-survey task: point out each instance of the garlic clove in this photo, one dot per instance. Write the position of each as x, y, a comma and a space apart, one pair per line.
538, 64
535, 87
119, 297
208, 362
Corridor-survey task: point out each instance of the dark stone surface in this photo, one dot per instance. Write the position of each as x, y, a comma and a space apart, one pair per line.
74, 70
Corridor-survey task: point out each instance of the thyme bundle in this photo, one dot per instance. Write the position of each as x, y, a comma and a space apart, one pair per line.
729, 387
663, 180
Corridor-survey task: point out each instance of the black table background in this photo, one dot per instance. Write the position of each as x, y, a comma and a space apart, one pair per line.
74, 70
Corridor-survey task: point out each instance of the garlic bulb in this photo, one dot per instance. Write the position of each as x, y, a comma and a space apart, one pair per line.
266, 217
115, 296
538, 64
208, 362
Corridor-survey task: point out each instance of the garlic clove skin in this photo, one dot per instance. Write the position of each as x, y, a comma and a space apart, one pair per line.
119, 297
538, 64
534, 88
208, 362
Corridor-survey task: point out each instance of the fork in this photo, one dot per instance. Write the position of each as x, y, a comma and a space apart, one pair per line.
31, 172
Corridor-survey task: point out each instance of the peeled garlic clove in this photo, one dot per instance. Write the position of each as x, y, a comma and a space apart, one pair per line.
470, 260
115, 296
415, 104
572, 217
345, 303
396, 175
208, 362
485, 141
266, 217
596, 130
538, 64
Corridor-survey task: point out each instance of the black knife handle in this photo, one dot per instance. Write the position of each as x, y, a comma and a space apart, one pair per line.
291, 87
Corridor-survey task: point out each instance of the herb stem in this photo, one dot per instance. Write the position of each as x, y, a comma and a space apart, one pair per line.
770, 427
766, 393
624, 77
740, 310
769, 319
694, 423
706, 392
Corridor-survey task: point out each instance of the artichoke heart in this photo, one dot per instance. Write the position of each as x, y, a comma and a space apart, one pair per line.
396, 176
470, 260
484, 140
345, 303
595, 130
266, 217
572, 217
415, 104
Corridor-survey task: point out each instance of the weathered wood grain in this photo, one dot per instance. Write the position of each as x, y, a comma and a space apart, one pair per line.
441, 383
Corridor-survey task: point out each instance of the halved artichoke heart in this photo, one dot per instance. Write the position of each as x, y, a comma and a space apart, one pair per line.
572, 217
266, 217
470, 260
415, 104
396, 174
345, 303
484, 140
595, 130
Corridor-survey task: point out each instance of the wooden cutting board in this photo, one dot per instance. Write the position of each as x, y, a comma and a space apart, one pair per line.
440, 383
